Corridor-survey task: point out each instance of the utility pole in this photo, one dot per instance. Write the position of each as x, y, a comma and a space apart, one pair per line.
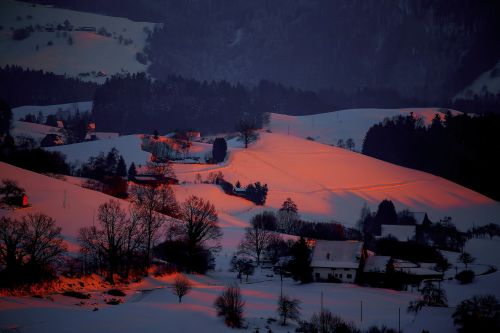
322, 301
361, 310
399, 320
281, 283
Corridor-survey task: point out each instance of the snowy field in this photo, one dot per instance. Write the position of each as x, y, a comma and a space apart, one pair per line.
150, 306
326, 183
344, 124
83, 55
332, 183
129, 147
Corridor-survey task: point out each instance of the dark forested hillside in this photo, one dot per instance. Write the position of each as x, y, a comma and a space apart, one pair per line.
461, 148
20, 86
428, 50
134, 103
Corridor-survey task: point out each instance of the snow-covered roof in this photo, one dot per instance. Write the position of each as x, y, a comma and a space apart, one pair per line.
376, 264
402, 233
337, 254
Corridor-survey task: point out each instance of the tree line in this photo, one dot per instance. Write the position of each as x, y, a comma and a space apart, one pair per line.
19, 86
120, 245
135, 103
460, 148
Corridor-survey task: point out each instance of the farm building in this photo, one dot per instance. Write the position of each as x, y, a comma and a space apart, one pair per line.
336, 260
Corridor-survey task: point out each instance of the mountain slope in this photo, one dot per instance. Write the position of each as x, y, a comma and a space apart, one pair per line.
84, 54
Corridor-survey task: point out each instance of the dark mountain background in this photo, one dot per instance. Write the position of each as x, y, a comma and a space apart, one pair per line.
424, 50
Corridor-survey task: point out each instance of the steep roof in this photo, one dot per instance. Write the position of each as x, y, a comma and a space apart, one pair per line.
376, 264
337, 254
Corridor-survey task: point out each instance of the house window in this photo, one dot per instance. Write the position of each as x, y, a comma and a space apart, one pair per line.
329, 276
318, 276
340, 276
349, 276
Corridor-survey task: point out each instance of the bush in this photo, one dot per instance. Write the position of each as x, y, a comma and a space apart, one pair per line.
11, 192
113, 301
177, 253
76, 294
230, 306
465, 277
141, 58
116, 292
382, 329
478, 314
21, 33
325, 321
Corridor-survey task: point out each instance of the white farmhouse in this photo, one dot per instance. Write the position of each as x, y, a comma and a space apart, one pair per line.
336, 260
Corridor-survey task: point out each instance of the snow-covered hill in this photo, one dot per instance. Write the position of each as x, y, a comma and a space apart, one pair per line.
76, 53
332, 183
488, 82
150, 304
22, 129
70, 205
326, 182
353, 123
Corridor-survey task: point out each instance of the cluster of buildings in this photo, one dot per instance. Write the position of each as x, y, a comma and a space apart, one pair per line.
349, 261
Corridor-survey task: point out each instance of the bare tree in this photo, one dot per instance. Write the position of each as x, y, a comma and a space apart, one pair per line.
247, 132
287, 215
230, 306
350, 144
466, 259
288, 308
108, 243
163, 169
34, 243
431, 296
256, 240
168, 203
181, 286
134, 239
148, 201
325, 321
44, 244
200, 223
244, 266
11, 243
